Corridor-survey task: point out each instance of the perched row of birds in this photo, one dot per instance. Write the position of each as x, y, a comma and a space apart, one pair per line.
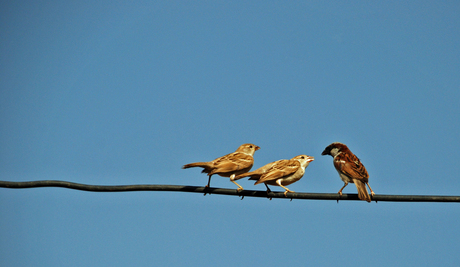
284, 172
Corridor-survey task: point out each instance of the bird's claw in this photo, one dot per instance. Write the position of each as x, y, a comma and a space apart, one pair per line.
340, 195
372, 195
206, 187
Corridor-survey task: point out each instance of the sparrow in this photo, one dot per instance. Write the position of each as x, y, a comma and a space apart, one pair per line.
230, 165
350, 169
280, 173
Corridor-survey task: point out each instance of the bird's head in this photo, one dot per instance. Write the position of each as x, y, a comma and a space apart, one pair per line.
304, 159
334, 149
248, 149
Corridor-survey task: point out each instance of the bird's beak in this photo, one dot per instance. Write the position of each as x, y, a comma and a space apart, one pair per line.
310, 159
257, 148
325, 152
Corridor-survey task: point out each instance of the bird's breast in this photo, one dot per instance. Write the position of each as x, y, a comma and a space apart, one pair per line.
345, 178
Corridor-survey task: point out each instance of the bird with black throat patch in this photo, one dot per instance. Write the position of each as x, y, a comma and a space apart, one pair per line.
350, 169
230, 165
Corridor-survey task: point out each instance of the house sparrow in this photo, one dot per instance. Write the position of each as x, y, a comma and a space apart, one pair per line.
280, 173
230, 165
350, 169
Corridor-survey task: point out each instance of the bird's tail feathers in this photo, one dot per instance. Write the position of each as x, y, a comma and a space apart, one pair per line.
362, 191
251, 175
204, 165
237, 177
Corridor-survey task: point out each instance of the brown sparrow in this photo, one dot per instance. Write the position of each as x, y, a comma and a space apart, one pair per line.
230, 165
280, 173
350, 169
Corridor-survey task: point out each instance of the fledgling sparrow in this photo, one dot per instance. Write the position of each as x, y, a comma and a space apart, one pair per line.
280, 173
350, 169
230, 165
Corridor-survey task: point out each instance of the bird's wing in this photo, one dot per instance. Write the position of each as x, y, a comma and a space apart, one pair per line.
281, 169
351, 166
234, 161
255, 175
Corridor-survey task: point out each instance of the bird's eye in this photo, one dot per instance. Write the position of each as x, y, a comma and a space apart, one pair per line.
303, 157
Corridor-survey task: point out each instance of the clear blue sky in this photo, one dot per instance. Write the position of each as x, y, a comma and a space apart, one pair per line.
126, 92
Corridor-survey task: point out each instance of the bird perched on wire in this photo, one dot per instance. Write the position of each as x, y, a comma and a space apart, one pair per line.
350, 169
230, 165
280, 173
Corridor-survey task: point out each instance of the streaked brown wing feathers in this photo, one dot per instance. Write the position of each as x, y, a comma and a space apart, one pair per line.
351, 166
282, 169
233, 161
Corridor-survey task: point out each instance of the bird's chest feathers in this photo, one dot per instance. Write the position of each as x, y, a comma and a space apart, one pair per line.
340, 162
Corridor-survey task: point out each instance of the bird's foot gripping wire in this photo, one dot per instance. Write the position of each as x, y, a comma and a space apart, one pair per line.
206, 188
240, 194
340, 195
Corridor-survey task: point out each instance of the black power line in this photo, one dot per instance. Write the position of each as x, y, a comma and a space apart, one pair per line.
222, 191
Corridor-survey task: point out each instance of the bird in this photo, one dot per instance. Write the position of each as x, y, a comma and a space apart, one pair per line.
230, 165
350, 169
280, 173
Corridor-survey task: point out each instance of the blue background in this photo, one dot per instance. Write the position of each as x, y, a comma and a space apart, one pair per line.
126, 92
